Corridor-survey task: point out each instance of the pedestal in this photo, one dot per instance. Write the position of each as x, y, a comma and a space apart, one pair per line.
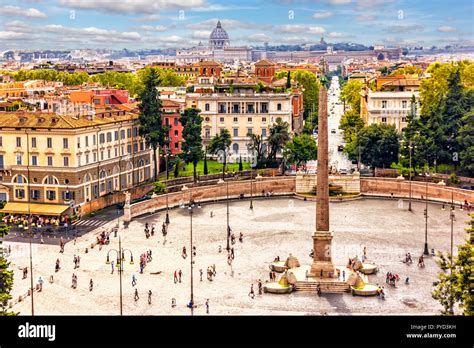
322, 255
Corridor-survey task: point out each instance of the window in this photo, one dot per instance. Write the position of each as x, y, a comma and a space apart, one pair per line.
18, 142
142, 144
135, 131
50, 160
279, 106
129, 132
235, 108
264, 132
236, 120
207, 133
65, 143
404, 119
264, 108
20, 179
20, 193
87, 140
51, 195
116, 135
19, 160
66, 161
34, 160
264, 120
384, 104
49, 143
35, 194
135, 147
96, 101
207, 107
236, 132
175, 121
94, 139
102, 155
404, 104
222, 108
129, 148
101, 138
109, 137
221, 119
33, 142
87, 159
235, 148
249, 131
66, 195
107, 101
167, 121
250, 109
95, 156
1, 141
116, 151
384, 119
122, 134
1, 162
176, 145
249, 119
207, 119
79, 161
78, 142
108, 153
175, 133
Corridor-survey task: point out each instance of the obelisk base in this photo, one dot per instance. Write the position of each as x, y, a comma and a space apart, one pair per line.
322, 264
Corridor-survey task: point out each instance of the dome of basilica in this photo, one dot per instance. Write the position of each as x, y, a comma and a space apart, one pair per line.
219, 37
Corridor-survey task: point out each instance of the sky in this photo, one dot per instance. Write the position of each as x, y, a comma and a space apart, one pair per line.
154, 24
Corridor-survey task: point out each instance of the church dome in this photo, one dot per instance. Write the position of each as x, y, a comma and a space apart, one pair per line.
219, 37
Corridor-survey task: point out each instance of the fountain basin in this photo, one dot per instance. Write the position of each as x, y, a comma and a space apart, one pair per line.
278, 266
366, 290
368, 268
277, 288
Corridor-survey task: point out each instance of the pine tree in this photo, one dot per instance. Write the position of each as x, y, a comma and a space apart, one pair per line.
288, 80
219, 145
6, 277
176, 170
151, 126
192, 142
241, 167
205, 162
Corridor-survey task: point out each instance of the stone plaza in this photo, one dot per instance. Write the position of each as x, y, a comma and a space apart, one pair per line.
275, 227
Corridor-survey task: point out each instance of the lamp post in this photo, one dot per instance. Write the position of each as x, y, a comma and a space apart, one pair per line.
251, 188
409, 179
191, 207
228, 227
120, 259
426, 252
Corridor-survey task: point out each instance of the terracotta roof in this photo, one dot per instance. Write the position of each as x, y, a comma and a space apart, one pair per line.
171, 103
264, 62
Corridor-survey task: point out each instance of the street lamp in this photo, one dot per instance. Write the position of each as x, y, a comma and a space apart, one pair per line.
251, 188
426, 252
120, 259
191, 207
409, 178
228, 227
167, 219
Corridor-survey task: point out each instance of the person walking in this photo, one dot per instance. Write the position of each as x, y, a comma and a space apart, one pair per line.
40, 283
134, 280
200, 274
207, 306
149, 295
260, 289
57, 267
251, 293
91, 285
136, 295
180, 274
78, 261
175, 277
112, 264
343, 275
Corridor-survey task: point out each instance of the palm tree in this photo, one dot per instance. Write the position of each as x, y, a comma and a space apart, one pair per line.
279, 136
220, 144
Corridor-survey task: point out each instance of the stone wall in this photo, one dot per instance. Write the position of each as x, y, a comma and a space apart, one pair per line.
306, 183
401, 188
277, 186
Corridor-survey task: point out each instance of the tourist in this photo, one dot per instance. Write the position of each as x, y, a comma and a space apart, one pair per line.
112, 264
271, 275
321, 274
91, 285
232, 253
232, 239
40, 283
241, 237
421, 262
318, 290
134, 280
407, 281
251, 293
180, 274
149, 296
152, 230
433, 252
343, 275
214, 270
175, 277
207, 306
78, 261
220, 249
57, 267
72, 281
306, 275
200, 274
183, 254
136, 295
194, 251
211, 214
25, 272
260, 287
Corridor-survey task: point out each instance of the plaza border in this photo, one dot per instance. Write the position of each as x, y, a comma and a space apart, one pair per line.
285, 186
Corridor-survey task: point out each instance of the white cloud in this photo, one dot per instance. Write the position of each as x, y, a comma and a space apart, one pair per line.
149, 18
93, 33
322, 14
159, 28
18, 26
226, 24
404, 28
365, 17
338, 35
339, 2
446, 29
21, 12
133, 6
200, 35
12, 35
260, 37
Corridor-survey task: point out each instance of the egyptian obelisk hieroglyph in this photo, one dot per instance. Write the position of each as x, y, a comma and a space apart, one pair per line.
322, 237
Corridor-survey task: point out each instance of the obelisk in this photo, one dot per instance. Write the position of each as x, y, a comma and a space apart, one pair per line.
322, 262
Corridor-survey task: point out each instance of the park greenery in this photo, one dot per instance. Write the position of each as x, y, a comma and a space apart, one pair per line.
300, 149
192, 143
454, 283
6, 276
220, 145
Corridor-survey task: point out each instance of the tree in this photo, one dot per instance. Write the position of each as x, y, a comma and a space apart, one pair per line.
277, 139
6, 277
379, 144
151, 126
256, 145
454, 284
288, 80
409, 134
466, 142
350, 93
176, 170
192, 142
241, 167
220, 145
311, 123
301, 149
205, 162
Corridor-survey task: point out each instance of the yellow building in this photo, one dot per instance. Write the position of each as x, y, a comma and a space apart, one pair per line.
48, 158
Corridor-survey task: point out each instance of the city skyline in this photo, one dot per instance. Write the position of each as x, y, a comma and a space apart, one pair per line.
144, 24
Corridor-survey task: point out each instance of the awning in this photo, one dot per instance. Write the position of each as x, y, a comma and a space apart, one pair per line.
34, 208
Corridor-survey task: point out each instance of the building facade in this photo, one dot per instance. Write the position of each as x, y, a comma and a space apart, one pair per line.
53, 159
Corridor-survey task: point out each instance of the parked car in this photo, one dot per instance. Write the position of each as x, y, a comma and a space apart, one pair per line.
467, 187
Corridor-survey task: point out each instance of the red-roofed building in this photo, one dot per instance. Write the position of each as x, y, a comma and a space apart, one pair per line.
171, 111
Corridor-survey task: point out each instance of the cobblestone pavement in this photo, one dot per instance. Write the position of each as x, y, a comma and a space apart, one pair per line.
274, 227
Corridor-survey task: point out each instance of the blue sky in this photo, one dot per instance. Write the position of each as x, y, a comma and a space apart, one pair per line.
134, 24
